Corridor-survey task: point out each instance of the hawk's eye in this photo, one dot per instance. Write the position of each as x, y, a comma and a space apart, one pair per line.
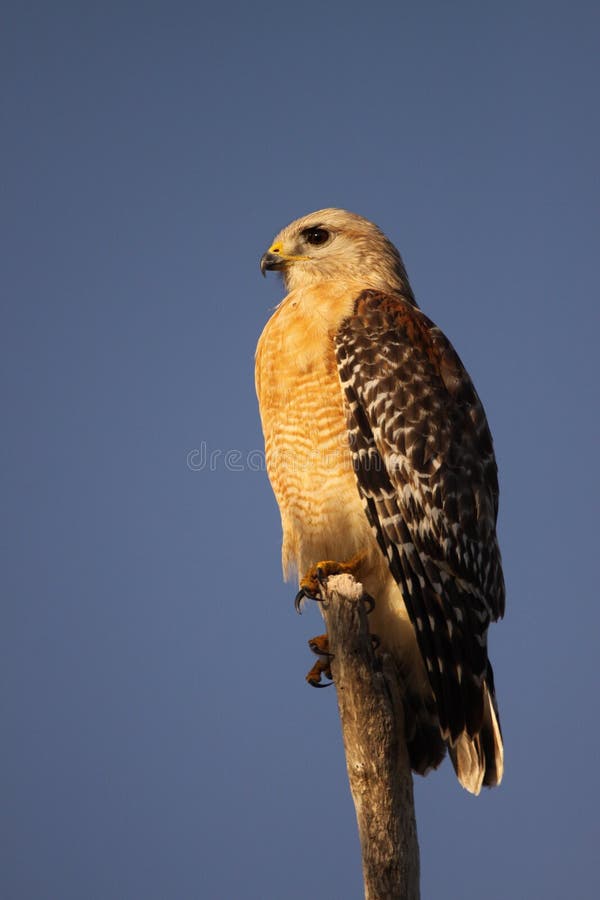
315, 235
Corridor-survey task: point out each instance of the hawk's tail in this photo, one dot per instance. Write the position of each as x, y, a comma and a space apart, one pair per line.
480, 760
426, 746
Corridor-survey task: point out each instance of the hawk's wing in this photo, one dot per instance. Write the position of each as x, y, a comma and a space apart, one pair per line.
423, 457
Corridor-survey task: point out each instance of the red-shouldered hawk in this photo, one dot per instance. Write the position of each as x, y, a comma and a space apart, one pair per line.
378, 448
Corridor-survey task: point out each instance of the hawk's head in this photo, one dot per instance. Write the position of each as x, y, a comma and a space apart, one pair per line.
335, 245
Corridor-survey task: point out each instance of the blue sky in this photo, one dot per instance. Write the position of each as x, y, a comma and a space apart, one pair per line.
159, 740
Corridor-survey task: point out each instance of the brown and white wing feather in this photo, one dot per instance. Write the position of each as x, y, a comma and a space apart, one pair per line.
424, 462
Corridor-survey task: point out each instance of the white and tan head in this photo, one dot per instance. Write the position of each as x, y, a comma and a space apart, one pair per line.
336, 245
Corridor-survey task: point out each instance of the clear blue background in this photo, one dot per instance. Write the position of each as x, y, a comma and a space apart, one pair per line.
158, 739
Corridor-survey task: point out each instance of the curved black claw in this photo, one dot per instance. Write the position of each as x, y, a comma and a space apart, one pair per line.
317, 684
369, 603
303, 594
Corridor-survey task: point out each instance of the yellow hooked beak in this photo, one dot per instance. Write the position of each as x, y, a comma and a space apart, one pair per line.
275, 258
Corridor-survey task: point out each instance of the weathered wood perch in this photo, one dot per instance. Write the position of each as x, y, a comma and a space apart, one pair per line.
372, 717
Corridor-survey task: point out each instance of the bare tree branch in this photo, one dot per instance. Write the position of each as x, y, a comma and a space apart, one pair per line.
372, 719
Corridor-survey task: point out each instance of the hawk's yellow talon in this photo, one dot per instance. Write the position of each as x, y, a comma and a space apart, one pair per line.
320, 645
320, 668
310, 585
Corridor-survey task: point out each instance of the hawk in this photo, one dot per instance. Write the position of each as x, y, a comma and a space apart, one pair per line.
379, 453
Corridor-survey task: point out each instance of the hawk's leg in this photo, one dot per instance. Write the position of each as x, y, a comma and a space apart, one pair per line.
320, 646
311, 584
